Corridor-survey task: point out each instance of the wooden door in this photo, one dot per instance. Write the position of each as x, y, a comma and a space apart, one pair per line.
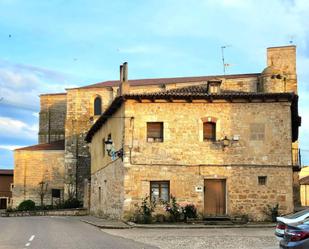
214, 197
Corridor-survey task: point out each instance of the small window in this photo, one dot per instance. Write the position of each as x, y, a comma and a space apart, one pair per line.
160, 190
103, 147
262, 180
56, 193
100, 195
11, 186
97, 106
209, 131
155, 132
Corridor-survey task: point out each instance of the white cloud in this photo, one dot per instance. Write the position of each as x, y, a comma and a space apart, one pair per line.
13, 128
9, 147
20, 85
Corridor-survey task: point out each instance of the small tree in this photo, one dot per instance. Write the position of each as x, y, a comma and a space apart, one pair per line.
42, 191
70, 183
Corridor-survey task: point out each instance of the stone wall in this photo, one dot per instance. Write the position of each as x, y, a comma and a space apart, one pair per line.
183, 132
80, 117
52, 117
33, 167
244, 194
107, 191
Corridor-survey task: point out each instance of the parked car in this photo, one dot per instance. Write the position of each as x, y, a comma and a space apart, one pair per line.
290, 219
296, 236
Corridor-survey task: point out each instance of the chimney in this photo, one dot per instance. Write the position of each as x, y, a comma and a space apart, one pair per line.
124, 84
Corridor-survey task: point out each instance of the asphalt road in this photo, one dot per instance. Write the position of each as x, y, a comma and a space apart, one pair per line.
58, 233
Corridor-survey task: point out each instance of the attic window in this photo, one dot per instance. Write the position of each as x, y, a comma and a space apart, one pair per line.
214, 87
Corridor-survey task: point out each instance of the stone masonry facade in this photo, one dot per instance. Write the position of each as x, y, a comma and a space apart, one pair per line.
262, 147
69, 116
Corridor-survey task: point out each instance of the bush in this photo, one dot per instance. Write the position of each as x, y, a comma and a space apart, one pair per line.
189, 211
26, 205
144, 212
71, 203
173, 209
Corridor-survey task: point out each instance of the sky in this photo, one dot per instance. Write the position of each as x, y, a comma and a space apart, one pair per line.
47, 46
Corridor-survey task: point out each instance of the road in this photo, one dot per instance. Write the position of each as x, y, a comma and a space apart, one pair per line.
58, 233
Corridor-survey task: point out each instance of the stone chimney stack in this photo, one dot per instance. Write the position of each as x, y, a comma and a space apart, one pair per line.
124, 83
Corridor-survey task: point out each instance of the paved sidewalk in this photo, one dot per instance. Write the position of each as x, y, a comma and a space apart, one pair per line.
104, 223
117, 224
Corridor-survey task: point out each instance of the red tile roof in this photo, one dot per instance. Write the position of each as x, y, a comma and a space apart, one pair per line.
58, 145
159, 81
6, 172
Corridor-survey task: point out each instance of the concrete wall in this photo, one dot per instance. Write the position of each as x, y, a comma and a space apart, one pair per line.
33, 167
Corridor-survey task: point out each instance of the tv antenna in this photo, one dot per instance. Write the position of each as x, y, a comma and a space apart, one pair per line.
225, 65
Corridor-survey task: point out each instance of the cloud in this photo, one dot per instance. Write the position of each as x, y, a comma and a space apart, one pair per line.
14, 128
9, 147
20, 85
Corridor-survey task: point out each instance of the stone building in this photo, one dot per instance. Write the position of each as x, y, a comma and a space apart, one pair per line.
39, 170
69, 116
223, 143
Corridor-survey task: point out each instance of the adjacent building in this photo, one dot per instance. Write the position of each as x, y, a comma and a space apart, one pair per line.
6, 185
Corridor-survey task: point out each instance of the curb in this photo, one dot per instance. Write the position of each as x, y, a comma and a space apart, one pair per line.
106, 226
130, 225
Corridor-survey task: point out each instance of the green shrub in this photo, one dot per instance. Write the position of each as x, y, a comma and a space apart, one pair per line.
173, 208
144, 212
71, 203
26, 205
189, 211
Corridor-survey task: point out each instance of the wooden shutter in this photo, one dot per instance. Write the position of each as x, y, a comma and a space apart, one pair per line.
155, 130
209, 131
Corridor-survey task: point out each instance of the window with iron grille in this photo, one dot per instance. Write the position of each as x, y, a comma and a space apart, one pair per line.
262, 180
209, 131
154, 131
160, 190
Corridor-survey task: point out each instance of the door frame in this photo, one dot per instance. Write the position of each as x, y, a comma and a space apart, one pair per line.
226, 194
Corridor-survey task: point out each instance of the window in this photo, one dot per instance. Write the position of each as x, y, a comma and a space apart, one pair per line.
160, 190
97, 106
155, 132
100, 196
262, 180
257, 131
209, 131
103, 147
56, 193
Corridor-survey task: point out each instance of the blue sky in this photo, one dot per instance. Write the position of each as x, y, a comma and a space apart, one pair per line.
47, 46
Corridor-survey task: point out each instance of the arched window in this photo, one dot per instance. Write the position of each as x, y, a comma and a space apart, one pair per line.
97, 106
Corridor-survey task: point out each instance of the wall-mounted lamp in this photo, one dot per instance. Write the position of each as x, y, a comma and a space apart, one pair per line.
111, 150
